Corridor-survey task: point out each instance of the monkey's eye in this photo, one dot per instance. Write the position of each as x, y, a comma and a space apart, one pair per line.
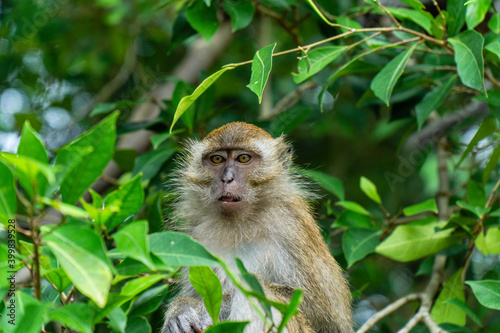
216, 159
244, 158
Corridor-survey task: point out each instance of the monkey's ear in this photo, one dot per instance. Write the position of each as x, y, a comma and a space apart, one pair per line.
285, 151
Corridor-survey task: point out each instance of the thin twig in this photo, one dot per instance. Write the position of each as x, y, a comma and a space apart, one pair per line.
388, 13
388, 310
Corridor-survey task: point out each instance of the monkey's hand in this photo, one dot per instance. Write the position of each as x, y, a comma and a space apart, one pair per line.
186, 315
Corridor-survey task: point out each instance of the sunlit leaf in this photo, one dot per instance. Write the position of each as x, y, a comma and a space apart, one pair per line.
315, 60
412, 242
426, 206
489, 243
138, 285
353, 206
369, 188
8, 202
207, 285
186, 101
261, 68
444, 312
384, 82
81, 254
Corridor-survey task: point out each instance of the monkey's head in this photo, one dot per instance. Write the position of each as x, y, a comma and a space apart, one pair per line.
229, 171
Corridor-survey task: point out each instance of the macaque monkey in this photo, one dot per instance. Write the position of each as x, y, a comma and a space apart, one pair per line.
239, 198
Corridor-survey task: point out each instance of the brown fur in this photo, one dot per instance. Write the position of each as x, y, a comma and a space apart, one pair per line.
276, 238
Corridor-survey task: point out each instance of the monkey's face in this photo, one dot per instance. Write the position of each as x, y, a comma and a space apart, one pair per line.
231, 170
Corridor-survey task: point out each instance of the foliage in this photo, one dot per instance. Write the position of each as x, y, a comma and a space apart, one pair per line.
412, 137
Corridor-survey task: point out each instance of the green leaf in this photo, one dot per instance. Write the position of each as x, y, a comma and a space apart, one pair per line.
207, 285
31, 144
75, 316
233, 327
369, 188
494, 23
494, 45
350, 219
468, 47
29, 315
487, 292
149, 300
384, 82
462, 306
186, 101
132, 241
426, 206
117, 320
456, 16
151, 162
58, 278
240, 12
329, 183
478, 211
81, 254
358, 243
102, 138
158, 139
127, 200
488, 126
66, 209
353, 206
420, 17
315, 60
490, 166
102, 108
178, 249
203, 19
138, 324
476, 12
292, 309
32, 174
138, 285
433, 99
476, 195
489, 243
8, 202
412, 242
261, 67
444, 312
253, 282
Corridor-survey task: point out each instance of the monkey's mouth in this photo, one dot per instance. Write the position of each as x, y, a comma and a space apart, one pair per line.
229, 199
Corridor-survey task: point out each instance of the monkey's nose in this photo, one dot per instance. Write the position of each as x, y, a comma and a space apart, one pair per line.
227, 176
227, 179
